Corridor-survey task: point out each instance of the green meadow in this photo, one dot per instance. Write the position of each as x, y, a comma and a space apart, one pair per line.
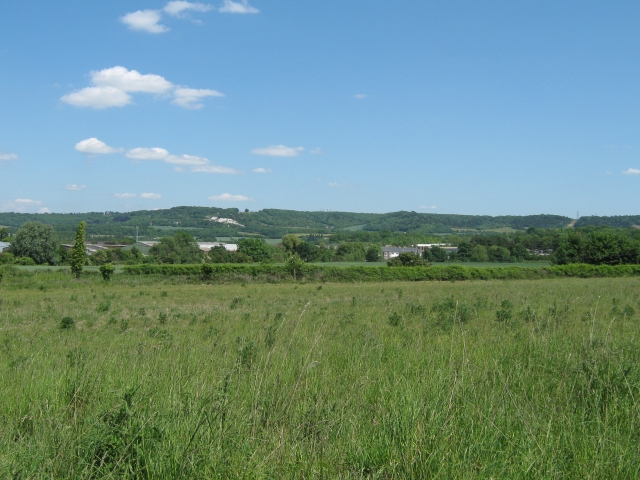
156, 377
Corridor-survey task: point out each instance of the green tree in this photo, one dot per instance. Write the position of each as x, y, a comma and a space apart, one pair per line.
479, 254
570, 250
37, 241
78, 258
4, 234
307, 251
294, 264
464, 251
289, 243
181, 248
257, 249
610, 248
498, 254
374, 253
408, 259
438, 254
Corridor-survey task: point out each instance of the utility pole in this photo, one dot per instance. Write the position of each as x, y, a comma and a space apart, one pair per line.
136, 234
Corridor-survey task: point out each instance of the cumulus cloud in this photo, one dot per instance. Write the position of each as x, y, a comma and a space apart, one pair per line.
262, 170
8, 156
145, 21
177, 8
147, 153
74, 187
278, 151
125, 195
112, 86
93, 146
237, 7
191, 97
196, 164
227, 197
316, 151
98, 97
632, 171
151, 196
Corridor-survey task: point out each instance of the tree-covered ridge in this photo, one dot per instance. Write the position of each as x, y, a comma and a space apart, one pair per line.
437, 222
617, 221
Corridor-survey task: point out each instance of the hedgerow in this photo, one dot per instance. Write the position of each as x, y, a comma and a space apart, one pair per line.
226, 272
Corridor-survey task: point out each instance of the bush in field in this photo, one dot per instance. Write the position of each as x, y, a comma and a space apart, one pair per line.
25, 261
408, 259
294, 264
107, 270
67, 323
395, 319
6, 258
37, 241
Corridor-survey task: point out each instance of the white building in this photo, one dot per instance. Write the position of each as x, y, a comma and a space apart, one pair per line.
4, 246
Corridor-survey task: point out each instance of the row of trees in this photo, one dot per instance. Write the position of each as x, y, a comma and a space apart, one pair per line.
599, 247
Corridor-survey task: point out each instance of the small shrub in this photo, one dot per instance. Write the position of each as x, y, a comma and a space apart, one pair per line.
162, 318
104, 306
395, 319
124, 324
506, 311
142, 312
107, 270
67, 323
6, 258
164, 293
28, 261
235, 303
629, 311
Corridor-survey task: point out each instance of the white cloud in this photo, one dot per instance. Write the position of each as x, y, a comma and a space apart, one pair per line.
74, 187
432, 207
147, 153
130, 80
98, 97
151, 196
93, 146
215, 169
632, 171
336, 184
125, 195
262, 170
44, 210
190, 97
278, 151
111, 88
186, 160
237, 7
8, 156
361, 96
176, 8
227, 197
316, 151
145, 21
27, 202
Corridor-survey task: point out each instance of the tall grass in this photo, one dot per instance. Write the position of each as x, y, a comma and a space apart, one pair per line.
527, 379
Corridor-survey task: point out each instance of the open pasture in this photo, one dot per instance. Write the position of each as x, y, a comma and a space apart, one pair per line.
150, 378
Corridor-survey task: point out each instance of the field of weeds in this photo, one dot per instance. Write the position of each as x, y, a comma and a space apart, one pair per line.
524, 379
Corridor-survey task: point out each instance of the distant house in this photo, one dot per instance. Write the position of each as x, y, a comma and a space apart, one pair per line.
4, 246
389, 252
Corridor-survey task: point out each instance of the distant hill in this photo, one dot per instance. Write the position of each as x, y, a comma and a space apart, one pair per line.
210, 222
619, 221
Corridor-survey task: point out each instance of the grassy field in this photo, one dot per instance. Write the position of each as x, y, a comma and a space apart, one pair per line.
151, 378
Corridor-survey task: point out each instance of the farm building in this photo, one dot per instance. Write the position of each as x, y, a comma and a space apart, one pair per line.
389, 252
206, 246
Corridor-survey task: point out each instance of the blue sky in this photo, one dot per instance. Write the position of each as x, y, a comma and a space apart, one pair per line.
446, 107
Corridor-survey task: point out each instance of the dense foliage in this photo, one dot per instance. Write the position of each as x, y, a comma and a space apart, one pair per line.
37, 241
600, 247
181, 248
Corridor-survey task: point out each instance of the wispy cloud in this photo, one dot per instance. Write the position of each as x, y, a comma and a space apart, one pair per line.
278, 151
227, 197
151, 196
215, 169
432, 207
179, 7
144, 21
336, 184
237, 7
112, 86
125, 195
316, 151
632, 171
360, 96
197, 164
74, 187
24, 205
8, 156
93, 146
262, 170
27, 201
